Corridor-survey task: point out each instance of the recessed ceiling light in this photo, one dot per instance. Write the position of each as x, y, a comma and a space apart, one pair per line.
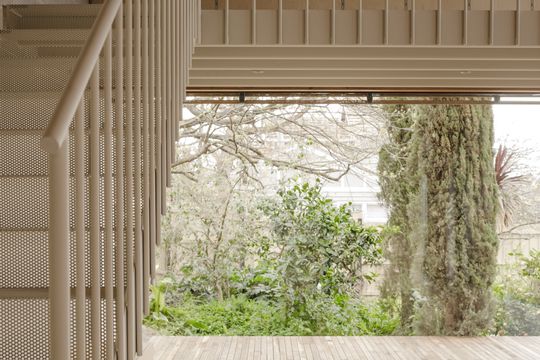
258, 72
466, 72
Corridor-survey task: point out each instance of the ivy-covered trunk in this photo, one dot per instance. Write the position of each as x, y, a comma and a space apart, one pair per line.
452, 216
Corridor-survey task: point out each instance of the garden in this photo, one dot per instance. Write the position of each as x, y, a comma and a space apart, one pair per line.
254, 243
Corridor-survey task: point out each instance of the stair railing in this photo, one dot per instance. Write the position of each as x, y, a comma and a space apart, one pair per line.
120, 170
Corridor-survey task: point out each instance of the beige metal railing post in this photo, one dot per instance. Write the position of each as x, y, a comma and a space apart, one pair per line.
146, 167
95, 236
138, 173
518, 22
159, 117
413, 23
169, 131
360, 22
119, 203
199, 25
176, 78
333, 24
466, 21
306, 24
492, 23
253, 22
386, 21
131, 319
59, 252
439, 22
154, 227
280, 22
107, 195
164, 114
185, 38
80, 140
225, 23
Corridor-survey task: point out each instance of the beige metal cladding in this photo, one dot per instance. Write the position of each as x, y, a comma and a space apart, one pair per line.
77, 236
368, 45
91, 96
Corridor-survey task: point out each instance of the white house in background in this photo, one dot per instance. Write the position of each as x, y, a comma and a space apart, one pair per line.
362, 191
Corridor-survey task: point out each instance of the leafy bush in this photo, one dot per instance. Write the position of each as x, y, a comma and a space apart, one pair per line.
293, 277
517, 295
240, 316
317, 247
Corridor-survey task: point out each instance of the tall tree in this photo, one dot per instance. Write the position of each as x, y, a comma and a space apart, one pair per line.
453, 217
395, 192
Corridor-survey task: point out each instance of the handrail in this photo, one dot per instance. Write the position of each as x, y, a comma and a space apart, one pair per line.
57, 130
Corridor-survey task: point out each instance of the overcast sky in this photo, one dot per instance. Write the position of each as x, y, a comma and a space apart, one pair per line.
519, 125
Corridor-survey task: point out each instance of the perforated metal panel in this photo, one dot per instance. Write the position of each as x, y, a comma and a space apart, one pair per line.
22, 326
37, 56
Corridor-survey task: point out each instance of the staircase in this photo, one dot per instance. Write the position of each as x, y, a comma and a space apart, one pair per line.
97, 200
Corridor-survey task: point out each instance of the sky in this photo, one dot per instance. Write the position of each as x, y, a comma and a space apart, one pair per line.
519, 126
515, 125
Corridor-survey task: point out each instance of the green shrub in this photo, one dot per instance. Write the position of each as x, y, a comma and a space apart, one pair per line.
517, 295
241, 316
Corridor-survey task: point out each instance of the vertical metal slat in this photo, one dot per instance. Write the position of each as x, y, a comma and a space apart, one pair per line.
95, 248
280, 22
121, 345
163, 68
80, 140
146, 157
138, 174
465, 22
386, 21
413, 23
107, 195
333, 28
226, 23
492, 23
518, 22
58, 165
154, 227
439, 23
128, 153
306, 24
360, 22
253, 22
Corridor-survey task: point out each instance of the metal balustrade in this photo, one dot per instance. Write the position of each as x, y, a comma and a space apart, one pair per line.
94, 212
106, 190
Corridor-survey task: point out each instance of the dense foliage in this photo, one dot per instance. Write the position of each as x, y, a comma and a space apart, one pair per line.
517, 294
320, 247
299, 277
454, 213
395, 192
243, 316
440, 184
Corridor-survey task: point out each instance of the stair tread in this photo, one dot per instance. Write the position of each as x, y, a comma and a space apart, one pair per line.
57, 10
53, 35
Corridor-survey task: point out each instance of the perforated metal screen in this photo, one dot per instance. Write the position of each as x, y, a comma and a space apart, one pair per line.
38, 52
36, 65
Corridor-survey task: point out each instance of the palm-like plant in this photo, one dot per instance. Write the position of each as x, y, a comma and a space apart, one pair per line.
507, 181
